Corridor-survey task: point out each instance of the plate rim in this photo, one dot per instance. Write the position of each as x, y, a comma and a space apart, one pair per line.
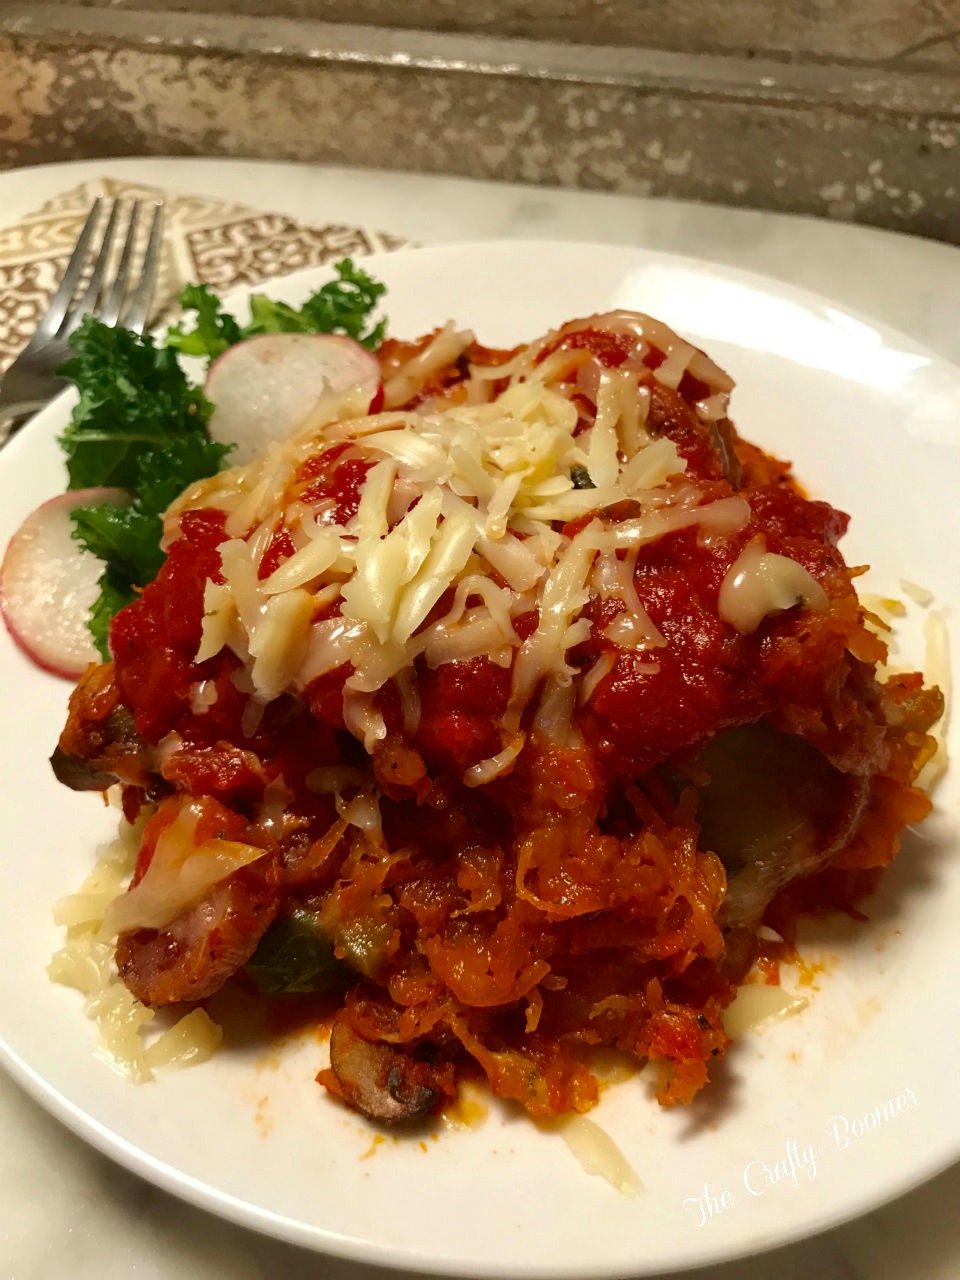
185, 1186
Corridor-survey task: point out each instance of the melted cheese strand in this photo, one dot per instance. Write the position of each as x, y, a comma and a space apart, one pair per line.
760, 583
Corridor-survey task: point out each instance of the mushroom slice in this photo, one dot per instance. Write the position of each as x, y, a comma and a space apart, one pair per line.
725, 442
379, 1080
775, 810
100, 744
79, 774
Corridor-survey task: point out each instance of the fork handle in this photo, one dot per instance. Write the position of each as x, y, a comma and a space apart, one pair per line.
15, 416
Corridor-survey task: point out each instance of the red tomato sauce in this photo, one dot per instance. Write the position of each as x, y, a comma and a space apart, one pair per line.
569, 904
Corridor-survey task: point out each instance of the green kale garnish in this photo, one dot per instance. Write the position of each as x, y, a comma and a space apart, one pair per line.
134, 397
109, 602
141, 425
213, 330
127, 538
343, 305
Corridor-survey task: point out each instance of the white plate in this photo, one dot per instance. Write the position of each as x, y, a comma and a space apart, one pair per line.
870, 420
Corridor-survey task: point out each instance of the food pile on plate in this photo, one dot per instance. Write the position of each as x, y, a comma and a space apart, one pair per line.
498, 698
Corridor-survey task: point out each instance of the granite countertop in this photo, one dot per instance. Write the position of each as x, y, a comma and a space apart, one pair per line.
67, 1210
834, 109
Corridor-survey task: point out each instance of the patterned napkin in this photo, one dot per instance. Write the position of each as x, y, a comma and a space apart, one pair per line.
205, 241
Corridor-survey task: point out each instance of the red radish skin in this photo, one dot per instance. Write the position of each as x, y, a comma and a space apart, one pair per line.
265, 387
48, 583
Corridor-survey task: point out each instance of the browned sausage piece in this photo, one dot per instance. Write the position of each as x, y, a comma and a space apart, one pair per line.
196, 953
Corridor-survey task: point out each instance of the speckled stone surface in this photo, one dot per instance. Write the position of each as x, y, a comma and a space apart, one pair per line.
831, 108
905, 31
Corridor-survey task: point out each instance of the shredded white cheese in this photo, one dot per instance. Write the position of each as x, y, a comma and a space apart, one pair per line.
918, 594
937, 670
758, 1002
129, 1035
599, 1155
465, 524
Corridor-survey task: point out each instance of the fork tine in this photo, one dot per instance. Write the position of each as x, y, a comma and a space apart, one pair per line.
112, 304
33, 377
88, 302
137, 311
71, 277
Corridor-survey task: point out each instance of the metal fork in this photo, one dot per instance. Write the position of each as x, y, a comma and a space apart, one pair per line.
88, 287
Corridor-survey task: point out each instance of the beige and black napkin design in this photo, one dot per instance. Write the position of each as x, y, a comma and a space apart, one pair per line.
206, 241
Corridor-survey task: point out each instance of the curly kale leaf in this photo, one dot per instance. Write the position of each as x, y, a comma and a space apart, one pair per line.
345, 305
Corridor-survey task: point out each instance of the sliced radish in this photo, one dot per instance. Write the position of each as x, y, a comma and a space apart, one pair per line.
265, 387
48, 582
